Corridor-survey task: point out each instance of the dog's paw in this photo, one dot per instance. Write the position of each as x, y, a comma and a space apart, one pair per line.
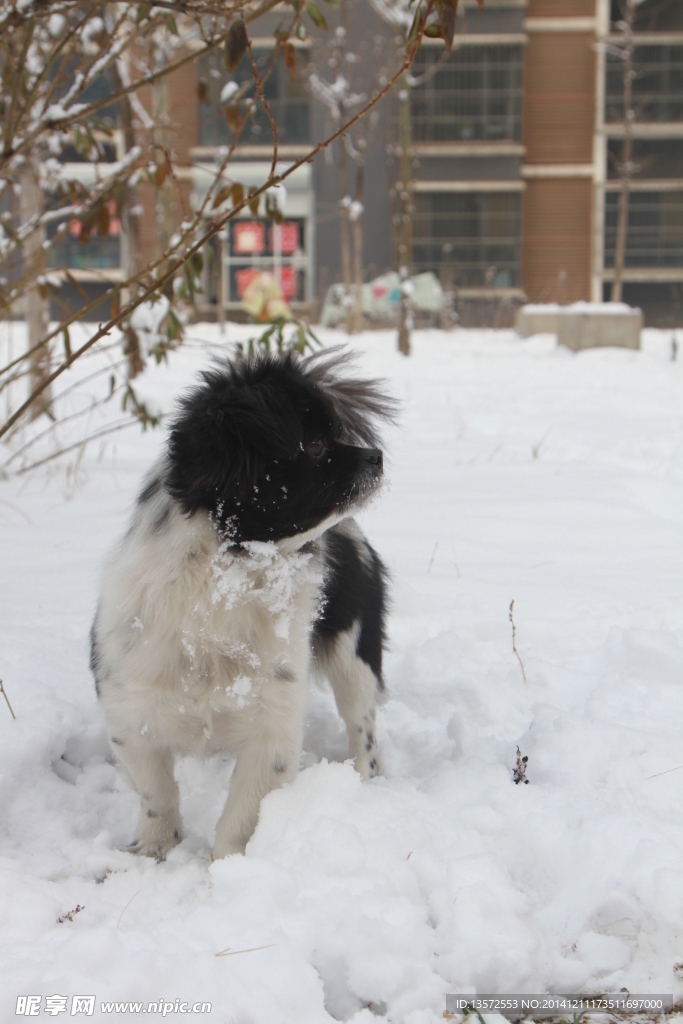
367, 767
226, 849
156, 835
157, 848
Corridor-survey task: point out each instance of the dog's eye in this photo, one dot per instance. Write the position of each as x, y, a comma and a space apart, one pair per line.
315, 448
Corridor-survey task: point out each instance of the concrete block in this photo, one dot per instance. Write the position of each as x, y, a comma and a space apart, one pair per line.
540, 319
583, 324
597, 325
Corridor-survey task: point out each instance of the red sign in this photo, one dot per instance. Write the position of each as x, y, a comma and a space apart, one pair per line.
289, 238
75, 226
245, 277
249, 238
288, 282
289, 285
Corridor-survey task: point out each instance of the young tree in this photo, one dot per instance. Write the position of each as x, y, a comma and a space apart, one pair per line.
437, 21
626, 167
70, 71
358, 73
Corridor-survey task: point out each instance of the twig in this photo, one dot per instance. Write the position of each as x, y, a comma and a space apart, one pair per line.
2, 690
514, 645
657, 774
431, 560
120, 425
70, 916
127, 905
216, 225
266, 105
254, 949
519, 773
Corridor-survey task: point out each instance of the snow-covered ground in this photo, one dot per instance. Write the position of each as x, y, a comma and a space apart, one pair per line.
518, 471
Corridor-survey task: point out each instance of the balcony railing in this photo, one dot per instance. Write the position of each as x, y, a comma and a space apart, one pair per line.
473, 95
471, 238
657, 87
655, 230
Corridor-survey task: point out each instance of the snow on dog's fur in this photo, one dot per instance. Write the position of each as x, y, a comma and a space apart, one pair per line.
240, 564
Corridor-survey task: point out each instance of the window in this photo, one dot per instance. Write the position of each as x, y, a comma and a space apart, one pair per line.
655, 229
653, 158
657, 87
98, 253
474, 236
473, 94
286, 97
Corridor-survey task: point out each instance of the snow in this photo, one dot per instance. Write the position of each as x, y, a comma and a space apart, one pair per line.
228, 91
580, 307
518, 471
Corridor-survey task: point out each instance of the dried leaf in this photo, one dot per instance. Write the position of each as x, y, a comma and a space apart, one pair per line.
315, 14
222, 195
447, 19
254, 202
237, 194
414, 30
67, 342
161, 173
480, 4
233, 115
290, 59
236, 43
103, 219
76, 284
202, 90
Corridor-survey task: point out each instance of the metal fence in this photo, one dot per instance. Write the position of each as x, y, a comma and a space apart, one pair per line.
657, 87
286, 97
469, 239
475, 94
655, 229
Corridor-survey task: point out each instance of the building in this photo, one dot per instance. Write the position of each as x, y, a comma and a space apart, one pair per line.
516, 143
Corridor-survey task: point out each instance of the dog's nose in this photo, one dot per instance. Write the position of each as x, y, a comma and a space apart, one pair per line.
374, 457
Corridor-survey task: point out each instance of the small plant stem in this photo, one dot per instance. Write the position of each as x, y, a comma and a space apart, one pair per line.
2, 690
514, 645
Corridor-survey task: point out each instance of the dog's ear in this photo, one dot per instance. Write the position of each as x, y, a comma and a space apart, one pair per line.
226, 428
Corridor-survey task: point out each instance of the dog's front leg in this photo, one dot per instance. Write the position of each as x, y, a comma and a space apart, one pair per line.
266, 759
159, 826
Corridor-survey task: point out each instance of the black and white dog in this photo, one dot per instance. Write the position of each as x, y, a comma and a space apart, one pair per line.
240, 564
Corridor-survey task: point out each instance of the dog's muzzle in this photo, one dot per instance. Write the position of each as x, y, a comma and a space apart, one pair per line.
374, 457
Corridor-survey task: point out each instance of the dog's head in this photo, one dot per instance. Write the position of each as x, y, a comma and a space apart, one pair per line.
277, 446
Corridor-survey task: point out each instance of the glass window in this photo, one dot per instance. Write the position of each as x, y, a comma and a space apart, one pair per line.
657, 87
286, 97
473, 94
655, 229
97, 253
473, 237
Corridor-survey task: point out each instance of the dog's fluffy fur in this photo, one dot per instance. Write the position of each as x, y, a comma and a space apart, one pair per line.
240, 564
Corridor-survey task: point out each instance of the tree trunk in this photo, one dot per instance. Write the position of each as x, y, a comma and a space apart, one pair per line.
358, 252
36, 305
165, 219
626, 168
345, 231
130, 237
405, 205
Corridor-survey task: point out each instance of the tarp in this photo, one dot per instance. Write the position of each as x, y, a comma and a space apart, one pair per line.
380, 298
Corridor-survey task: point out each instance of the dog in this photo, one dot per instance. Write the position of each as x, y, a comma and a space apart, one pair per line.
242, 569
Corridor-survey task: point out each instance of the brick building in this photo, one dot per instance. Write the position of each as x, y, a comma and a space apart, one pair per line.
516, 141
